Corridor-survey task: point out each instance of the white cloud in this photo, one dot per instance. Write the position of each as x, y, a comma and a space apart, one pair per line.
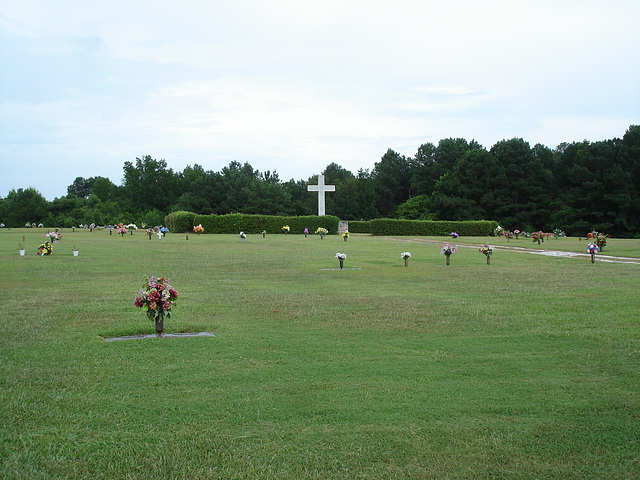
294, 86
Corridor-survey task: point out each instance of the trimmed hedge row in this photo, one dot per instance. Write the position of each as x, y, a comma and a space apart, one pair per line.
182, 222
359, 226
387, 226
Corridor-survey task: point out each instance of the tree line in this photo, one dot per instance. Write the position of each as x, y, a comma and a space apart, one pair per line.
576, 187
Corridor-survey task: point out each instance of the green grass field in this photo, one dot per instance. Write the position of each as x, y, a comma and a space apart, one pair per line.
528, 368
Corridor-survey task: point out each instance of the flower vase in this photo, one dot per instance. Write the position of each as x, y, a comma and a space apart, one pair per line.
264, 235
488, 259
75, 253
341, 264
406, 262
593, 258
345, 239
321, 237
448, 257
22, 253
159, 325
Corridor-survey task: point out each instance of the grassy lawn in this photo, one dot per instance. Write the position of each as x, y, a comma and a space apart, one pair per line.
528, 368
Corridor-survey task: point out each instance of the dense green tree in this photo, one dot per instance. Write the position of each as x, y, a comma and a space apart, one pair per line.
81, 187
24, 205
416, 208
269, 197
365, 196
392, 181
340, 202
425, 172
149, 184
527, 201
301, 202
472, 190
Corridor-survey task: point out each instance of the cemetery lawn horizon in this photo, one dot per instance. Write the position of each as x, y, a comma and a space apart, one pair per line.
528, 368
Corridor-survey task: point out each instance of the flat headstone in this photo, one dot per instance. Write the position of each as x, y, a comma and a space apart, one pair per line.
164, 335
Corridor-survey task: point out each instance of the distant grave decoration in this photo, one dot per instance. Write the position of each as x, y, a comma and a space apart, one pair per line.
322, 232
54, 237
121, 229
242, 236
601, 240
345, 235
592, 249
286, 229
306, 232
198, 229
486, 250
341, 258
157, 296
447, 250
406, 256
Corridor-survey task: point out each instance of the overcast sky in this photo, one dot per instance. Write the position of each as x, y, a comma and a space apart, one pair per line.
291, 86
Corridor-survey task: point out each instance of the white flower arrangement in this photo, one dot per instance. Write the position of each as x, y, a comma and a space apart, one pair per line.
405, 254
341, 256
242, 235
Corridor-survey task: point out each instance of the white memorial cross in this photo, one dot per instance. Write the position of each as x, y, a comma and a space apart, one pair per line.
321, 188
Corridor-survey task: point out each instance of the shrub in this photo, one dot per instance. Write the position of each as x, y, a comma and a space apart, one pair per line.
180, 221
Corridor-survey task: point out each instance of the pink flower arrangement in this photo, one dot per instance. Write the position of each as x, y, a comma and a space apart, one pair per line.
157, 296
448, 249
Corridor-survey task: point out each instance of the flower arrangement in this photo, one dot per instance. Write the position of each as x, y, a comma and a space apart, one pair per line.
601, 240
406, 256
242, 236
122, 230
593, 248
498, 232
54, 236
322, 232
516, 232
286, 229
45, 249
454, 235
157, 296
198, 229
345, 235
341, 257
447, 250
306, 232
487, 250
132, 226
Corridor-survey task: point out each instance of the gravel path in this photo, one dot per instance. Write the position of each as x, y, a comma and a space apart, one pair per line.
536, 251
